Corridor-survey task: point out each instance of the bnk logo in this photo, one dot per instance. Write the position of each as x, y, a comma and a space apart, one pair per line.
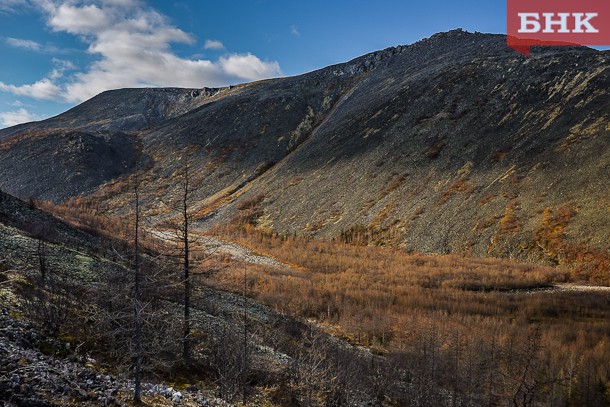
557, 22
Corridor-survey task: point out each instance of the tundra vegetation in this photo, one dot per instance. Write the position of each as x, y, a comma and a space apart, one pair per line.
354, 322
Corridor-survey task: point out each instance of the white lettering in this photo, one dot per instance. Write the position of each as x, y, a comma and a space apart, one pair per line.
550, 22
529, 23
580, 23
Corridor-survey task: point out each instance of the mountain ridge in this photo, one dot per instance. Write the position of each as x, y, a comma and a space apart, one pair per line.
452, 144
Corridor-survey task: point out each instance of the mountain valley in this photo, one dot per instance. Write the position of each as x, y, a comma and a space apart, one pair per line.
420, 226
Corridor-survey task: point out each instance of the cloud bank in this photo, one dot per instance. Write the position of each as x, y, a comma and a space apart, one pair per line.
17, 117
43, 89
131, 46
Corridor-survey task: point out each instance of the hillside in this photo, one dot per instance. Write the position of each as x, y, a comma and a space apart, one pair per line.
452, 144
327, 323
66, 324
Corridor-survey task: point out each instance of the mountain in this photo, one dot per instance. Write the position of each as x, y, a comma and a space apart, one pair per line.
455, 143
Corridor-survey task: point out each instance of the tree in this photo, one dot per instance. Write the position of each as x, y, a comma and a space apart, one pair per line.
137, 302
127, 311
48, 294
231, 353
245, 369
182, 242
311, 374
184, 247
186, 347
348, 380
526, 375
41, 254
228, 361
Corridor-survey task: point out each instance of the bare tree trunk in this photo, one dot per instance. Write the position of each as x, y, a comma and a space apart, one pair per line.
245, 369
186, 349
138, 309
42, 264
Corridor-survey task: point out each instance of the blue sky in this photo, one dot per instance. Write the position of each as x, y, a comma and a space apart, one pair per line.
58, 53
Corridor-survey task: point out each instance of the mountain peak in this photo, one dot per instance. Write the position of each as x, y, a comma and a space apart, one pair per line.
453, 143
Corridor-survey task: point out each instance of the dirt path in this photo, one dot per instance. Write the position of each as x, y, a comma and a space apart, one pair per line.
564, 288
581, 288
237, 251
241, 253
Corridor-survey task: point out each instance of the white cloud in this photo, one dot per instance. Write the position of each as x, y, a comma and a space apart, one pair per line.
17, 117
10, 6
34, 46
132, 46
61, 66
79, 20
25, 44
248, 67
43, 89
295, 31
214, 45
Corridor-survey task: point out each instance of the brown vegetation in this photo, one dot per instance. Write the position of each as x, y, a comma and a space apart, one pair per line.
488, 331
586, 263
338, 282
462, 185
486, 327
77, 213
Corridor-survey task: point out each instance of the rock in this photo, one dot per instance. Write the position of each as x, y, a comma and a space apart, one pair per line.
25, 389
177, 397
82, 393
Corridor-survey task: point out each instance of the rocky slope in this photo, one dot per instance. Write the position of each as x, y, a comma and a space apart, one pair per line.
41, 371
66, 333
452, 144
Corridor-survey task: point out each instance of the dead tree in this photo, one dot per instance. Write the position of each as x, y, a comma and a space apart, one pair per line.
183, 250
245, 348
137, 303
310, 372
48, 295
228, 362
186, 332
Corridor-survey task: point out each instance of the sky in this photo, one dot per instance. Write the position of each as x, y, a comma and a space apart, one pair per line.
56, 54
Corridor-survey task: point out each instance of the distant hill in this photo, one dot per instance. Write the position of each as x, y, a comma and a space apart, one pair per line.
453, 144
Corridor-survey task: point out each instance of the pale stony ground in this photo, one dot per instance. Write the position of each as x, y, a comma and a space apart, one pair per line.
581, 288
236, 251
28, 377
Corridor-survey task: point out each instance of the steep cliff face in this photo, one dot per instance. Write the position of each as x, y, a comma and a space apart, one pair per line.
453, 144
